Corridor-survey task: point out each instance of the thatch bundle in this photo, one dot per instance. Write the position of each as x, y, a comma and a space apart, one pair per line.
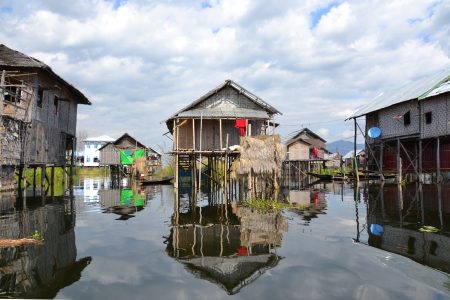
259, 155
140, 165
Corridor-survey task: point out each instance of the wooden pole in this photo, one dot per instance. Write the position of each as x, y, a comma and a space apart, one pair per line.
175, 146
200, 148
220, 133
381, 159
52, 181
43, 174
399, 162
420, 161
193, 134
355, 167
438, 160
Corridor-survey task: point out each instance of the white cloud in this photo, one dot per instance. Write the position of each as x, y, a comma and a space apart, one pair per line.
143, 60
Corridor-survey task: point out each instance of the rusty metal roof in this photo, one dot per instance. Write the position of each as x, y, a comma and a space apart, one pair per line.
420, 89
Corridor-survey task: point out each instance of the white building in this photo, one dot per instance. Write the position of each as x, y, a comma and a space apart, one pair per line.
91, 146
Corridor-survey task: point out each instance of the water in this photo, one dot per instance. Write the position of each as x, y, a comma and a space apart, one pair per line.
131, 243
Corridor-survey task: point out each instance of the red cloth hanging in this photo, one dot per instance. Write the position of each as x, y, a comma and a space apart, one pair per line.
241, 125
242, 251
315, 151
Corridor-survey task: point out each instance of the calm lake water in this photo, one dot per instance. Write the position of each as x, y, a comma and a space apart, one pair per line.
139, 243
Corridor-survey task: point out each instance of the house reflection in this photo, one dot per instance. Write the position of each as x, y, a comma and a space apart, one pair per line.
126, 202
228, 245
38, 270
412, 221
310, 202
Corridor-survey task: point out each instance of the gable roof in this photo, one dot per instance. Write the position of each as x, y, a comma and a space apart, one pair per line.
296, 135
139, 144
188, 110
11, 59
419, 89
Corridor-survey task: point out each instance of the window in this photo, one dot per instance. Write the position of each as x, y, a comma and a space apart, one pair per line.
428, 117
55, 104
88, 159
40, 96
95, 159
12, 94
407, 118
88, 146
95, 146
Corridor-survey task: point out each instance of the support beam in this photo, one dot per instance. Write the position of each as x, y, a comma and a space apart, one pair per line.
420, 162
399, 162
438, 160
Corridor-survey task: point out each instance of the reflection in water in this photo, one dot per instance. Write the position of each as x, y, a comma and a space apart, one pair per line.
412, 221
311, 202
228, 245
38, 271
126, 201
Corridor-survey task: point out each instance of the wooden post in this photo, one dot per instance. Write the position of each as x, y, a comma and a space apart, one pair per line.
420, 161
381, 159
175, 146
43, 174
438, 160
355, 166
34, 181
193, 134
72, 162
220, 133
399, 162
200, 149
52, 181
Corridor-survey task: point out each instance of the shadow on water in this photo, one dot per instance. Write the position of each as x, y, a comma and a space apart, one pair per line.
38, 270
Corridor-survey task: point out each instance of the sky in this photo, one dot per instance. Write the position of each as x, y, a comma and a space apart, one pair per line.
315, 61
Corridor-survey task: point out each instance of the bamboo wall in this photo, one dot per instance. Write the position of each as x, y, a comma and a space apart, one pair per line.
211, 133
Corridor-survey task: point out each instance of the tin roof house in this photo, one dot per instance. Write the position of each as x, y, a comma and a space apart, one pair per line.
408, 128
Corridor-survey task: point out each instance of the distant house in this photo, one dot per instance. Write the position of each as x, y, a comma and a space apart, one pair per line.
414, 123
127, 151
360, 158
91, 149
38, 115
306, 145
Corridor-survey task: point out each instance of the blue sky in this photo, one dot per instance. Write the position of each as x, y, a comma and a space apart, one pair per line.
316, 61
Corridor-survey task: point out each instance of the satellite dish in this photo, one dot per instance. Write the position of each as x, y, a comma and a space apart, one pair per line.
374, 132
376, 229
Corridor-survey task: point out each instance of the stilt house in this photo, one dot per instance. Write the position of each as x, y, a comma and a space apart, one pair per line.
306, 145
219, 118
38, 114
127, 151
413, 127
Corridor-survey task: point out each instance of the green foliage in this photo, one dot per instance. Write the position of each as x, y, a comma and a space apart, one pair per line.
167, 169
266, 204
37, 236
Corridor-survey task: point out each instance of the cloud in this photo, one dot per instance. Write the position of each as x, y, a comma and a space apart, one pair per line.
316, 61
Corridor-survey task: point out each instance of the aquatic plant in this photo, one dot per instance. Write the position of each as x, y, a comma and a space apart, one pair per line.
37, 236
267, 204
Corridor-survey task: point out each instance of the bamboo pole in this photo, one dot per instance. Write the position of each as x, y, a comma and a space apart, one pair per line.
399, 162
200, 148
193, 133
220, 133
175, 146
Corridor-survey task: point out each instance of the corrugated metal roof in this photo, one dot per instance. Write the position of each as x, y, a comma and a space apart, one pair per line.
443, 88
418, 89
218, 113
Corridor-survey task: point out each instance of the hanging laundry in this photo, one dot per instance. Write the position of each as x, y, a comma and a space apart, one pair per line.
241, 125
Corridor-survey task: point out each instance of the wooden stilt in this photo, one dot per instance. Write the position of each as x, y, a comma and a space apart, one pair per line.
420, 162
52, 181
399, 162
438, 161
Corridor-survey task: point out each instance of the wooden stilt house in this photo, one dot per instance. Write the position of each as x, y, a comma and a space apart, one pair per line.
128, 152
408, 129
213, 126
38, 116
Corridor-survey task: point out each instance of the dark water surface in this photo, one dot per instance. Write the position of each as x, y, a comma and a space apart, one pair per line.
139, 243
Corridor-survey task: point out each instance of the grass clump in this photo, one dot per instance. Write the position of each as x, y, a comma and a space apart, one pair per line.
37, 236
266, 204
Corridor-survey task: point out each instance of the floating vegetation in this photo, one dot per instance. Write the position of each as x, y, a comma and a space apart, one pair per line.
37, 235
270, 204
430, 229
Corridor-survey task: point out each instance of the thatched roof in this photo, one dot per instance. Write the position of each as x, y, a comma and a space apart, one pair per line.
260, 155
13, 60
